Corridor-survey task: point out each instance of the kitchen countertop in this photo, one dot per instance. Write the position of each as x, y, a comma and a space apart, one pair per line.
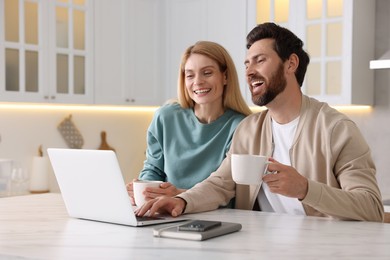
38, 227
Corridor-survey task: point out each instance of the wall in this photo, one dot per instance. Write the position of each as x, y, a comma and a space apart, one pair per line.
22, 131
376, 127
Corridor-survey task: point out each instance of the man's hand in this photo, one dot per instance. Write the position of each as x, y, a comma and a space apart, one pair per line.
285, 180
172, 206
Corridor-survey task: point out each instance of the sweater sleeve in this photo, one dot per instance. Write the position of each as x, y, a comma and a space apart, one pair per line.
154, 164
358, 196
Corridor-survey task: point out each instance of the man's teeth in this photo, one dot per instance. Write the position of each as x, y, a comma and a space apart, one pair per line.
257, 83
201, 91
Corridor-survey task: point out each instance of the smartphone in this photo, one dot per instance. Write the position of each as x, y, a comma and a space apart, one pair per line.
199, 225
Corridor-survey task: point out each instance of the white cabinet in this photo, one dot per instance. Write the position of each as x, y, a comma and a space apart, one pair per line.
221, 21
129, 50
339, 37
46, 51
129, 42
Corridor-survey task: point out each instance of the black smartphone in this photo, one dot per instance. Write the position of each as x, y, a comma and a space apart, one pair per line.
199, 225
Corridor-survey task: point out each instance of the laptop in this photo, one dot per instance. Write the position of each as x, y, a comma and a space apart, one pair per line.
92, 187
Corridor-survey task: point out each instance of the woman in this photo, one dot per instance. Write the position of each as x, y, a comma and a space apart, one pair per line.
188, 140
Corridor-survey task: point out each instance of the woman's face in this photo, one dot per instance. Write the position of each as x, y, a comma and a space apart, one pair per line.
203, 79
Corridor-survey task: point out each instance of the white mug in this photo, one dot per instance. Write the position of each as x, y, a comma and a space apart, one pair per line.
139, 187
248, 169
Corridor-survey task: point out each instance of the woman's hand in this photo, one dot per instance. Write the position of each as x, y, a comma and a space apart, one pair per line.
166, 189
129, 188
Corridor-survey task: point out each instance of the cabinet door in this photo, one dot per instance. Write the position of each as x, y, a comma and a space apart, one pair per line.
144, 49
46, 51
128, 47
340, 44
186, 23
22, 52
221, 21
228, 25
109, 59
71, 51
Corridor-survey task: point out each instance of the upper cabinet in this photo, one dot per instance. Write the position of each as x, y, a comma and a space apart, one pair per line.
129, 44
127, 52
189, 21
46, 51
339, 37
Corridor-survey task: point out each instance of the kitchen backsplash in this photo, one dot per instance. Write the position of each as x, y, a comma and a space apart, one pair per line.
22, 131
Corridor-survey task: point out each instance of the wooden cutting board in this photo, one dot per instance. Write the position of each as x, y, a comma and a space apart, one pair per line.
104, 145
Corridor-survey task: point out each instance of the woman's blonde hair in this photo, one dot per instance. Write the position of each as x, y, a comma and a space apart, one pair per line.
232, 97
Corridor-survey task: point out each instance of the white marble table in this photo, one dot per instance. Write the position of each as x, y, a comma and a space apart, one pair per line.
38, 227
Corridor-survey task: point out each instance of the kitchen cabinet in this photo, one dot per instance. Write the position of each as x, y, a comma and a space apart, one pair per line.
46, 51
339, 36
129, 50
226, 22
129, 44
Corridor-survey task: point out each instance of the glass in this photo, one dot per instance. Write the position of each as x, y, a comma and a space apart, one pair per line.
334, 8
62, 74
62, 30
6, 166
281, 11
79, 29
32, 71
334, 33
11, 15
12, 70
31, 22
79, 75
263, 10
314, 40
19, 182
333, 78
313, 79
314, 9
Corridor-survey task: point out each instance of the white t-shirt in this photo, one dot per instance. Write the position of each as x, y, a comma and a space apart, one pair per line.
283, 136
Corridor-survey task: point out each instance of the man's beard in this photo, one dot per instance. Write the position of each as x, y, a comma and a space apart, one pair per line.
276, 85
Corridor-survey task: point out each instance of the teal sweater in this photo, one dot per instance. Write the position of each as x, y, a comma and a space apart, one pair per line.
183, 151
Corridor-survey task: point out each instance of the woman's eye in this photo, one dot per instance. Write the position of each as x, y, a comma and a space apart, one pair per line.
188, 76
208, 73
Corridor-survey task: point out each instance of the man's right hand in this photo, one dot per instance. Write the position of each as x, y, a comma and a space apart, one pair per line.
172, 206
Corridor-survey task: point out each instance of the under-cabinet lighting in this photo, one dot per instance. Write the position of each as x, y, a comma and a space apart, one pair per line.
21, 106
77, 107
344, 109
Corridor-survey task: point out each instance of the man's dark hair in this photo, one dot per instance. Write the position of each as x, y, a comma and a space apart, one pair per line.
286, 43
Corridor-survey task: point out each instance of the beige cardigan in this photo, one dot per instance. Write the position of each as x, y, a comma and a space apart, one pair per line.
328, 149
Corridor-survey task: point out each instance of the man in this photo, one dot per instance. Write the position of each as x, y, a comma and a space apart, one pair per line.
322, 164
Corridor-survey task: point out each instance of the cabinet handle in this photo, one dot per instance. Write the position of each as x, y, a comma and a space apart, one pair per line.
132, 100
53, 97
46, 97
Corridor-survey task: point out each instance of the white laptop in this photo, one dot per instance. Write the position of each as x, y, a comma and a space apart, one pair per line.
93, 188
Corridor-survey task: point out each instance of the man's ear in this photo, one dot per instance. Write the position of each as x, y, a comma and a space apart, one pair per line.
293, 62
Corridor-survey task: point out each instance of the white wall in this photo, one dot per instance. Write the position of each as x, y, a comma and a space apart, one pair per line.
22, 131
